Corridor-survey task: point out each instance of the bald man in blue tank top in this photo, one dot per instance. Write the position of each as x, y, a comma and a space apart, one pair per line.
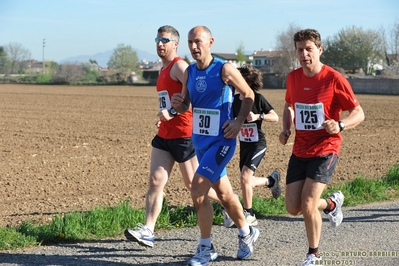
208, 88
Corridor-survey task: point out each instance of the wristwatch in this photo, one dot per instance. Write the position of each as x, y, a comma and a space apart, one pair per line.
262, 116
172, 111
341, 126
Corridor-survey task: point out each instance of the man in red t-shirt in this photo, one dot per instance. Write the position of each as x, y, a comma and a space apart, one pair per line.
315, 97
173, 141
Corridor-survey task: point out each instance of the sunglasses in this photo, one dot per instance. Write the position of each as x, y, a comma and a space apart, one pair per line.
163, 40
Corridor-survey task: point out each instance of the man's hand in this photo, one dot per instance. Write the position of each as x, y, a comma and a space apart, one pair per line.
252, 117
164, 115
177, 99
331, 126
284, 136
231, 129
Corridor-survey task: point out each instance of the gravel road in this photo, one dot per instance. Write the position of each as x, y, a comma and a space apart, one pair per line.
369, 235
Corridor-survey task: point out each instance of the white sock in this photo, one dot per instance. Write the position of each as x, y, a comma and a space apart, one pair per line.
244, 231
149, 230
205, 242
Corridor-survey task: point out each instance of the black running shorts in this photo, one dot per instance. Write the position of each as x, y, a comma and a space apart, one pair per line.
181, 150
318, 168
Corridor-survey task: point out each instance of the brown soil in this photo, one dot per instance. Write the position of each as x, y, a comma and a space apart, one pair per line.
74, 148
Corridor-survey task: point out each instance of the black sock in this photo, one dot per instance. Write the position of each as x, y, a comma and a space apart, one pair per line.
313, 251
250, 211
271, 182
330, 206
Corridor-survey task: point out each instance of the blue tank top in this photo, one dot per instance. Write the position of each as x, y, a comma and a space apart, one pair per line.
211, 101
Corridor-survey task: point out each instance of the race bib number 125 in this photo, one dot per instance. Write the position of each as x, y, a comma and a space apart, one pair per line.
309, 116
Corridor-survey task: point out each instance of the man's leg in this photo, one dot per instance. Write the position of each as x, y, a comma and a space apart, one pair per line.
293, 197
248, 182
187, 170
199, 194
247, 234
310, 205
161, 166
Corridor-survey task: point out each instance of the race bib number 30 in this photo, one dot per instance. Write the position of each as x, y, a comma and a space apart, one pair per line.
206, 121
309, 116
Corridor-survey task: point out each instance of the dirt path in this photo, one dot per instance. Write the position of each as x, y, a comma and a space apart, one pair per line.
67, 148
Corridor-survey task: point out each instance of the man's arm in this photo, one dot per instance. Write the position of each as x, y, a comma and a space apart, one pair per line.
181, 101
178, 69
176, 73
233, 77
288, 118
354, 118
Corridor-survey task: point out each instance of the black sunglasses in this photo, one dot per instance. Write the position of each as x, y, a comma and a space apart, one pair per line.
163, 40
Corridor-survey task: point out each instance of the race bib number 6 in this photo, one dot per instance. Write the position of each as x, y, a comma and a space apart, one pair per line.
206, 121
309, 116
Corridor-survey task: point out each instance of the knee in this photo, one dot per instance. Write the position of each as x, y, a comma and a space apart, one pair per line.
246, 179
156, 183
197, 194
308, 208
293, 208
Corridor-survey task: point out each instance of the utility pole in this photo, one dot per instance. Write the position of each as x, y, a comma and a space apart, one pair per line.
44, 44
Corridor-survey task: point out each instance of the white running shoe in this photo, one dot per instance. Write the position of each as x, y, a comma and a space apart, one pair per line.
276, 188
246, 244
251, 219
310, 260
227, 221
335, 216
142, 235
203, 256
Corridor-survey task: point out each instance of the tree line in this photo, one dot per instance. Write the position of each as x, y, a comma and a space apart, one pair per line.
351, 49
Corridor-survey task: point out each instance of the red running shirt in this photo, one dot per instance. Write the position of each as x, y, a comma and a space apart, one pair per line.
181, 125
314, 100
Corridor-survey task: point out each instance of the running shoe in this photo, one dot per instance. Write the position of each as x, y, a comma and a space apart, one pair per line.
310, 260
335, 216
203, 256
227, 221
142, 235
251, 219
246, 244
276, 188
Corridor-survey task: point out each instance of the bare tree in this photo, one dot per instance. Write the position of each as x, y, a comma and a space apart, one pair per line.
285, 44
68, 73
392, 44
17, 55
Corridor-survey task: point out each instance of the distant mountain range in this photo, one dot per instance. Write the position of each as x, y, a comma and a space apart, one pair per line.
103, 58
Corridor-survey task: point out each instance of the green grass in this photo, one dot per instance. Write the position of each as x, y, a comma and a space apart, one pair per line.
102, 222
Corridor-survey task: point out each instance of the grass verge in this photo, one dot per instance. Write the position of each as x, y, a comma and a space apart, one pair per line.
102, 222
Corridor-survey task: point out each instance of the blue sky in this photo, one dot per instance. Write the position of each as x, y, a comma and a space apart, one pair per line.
86, 27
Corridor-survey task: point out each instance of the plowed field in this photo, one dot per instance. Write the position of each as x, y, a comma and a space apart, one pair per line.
67, 148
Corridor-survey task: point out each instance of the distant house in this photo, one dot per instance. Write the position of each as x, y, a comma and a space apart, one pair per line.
33, 66
231, 58
267, 61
